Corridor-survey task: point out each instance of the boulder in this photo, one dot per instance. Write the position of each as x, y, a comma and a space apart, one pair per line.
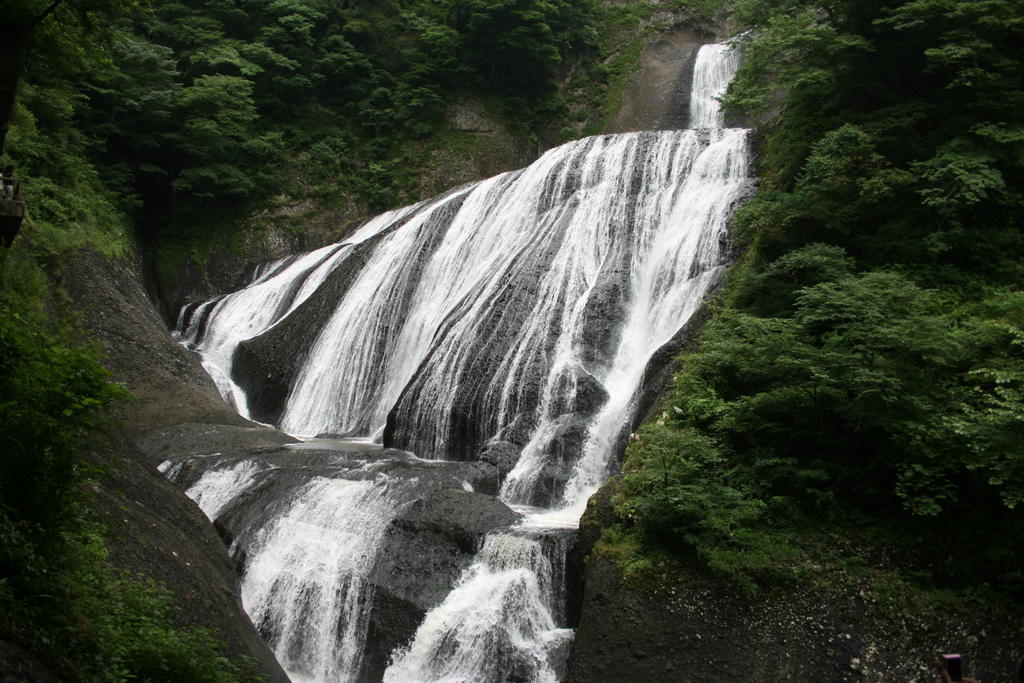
503, 455
429, 544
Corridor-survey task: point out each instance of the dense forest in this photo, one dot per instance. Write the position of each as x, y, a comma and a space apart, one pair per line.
199, 112
858, 392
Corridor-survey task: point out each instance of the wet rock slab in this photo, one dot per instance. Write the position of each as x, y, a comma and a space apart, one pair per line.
447, 510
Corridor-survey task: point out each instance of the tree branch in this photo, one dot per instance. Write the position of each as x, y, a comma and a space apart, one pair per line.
42, 17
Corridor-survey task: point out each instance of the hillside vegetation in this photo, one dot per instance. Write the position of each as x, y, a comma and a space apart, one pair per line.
859, 392
188, 118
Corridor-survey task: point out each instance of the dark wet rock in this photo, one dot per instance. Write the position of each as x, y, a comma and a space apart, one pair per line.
439, 504
439, 500
392, 625
267, 366
582, 394
278, 471
193, 439
664, 362
604, 312
561, 453
154, 530
429, 544
519, 430
473, 415
18, 666
503, 455
598, 516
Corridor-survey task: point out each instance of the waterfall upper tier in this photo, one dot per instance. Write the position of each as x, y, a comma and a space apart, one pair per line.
519, 312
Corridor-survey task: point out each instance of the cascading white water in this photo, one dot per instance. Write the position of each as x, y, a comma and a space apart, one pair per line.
306, 584
497, 622
675, 260
216, 327
348, 398
715, 68
522, 310
220, 485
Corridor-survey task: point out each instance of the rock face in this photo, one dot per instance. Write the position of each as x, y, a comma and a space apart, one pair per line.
429, 544
696, 629
170, 385
18, 666
155, 530
426, 548
657, 96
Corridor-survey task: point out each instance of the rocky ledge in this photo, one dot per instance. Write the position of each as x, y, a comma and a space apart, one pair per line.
694, 628
155, 531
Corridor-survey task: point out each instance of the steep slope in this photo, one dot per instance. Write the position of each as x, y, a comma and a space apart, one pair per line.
668, 621
156, 531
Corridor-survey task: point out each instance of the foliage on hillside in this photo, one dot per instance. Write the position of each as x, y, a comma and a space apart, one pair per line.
865, 369
190, 117
202, 104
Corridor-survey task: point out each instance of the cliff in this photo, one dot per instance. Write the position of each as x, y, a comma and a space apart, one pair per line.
155, 530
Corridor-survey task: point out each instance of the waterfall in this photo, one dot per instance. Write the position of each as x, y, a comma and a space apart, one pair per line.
518, 316
215, 328
352, 398
497, 624
220, 485
307, 585
715, 67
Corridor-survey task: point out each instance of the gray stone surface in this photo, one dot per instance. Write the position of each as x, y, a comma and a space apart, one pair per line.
156, 531
657, 96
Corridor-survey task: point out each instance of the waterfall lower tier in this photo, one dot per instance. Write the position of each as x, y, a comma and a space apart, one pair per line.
503, 333
306, 582
502, 621
344, 547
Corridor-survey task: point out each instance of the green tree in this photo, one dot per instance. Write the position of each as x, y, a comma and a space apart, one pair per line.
517, 43
65, 27
223, 158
